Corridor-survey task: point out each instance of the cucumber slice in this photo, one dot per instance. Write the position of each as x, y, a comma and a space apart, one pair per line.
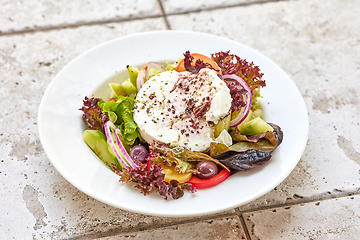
118, 89
221, 125
128, 87
248, 118
97, 142
255, 126
257, 113
133, 73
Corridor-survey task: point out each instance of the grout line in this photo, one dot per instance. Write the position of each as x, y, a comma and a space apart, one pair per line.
164, 15
115, 232
103, 22
226, 6
240, 213
244, 227
243, 224
320, 197
75, 25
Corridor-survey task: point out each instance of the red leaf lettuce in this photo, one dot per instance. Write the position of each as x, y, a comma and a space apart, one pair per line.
232, 64
148, 176
92, 114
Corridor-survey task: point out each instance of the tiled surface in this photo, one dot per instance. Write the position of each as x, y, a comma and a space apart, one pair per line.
176, 7
32, 14
329, 219
227, 228
316, 43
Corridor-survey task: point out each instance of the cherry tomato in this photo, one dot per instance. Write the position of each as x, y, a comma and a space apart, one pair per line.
210, 182
181, 68
112, 100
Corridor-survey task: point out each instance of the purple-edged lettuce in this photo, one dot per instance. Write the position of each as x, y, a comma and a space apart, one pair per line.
148, 177
93, 116
233, 64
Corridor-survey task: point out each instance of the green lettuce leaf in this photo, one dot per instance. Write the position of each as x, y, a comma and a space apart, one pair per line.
121, 113
110, 108
128, 127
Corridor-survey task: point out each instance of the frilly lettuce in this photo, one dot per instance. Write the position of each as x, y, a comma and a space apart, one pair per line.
121, 113
93, 115
148, 176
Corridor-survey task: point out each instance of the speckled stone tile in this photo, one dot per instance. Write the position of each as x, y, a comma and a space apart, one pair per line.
33, 14
36, 202
221, 228
317, 44
331, 219
175, 6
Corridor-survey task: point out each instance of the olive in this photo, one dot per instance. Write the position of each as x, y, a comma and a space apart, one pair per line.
139, 153
206, 169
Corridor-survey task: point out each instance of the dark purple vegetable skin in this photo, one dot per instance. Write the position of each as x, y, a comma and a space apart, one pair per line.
279, 135
244, 161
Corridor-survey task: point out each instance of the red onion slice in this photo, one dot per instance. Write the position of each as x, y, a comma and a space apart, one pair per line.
148, 70
109, 125
140, 79
244, 111
123, 150
154, 67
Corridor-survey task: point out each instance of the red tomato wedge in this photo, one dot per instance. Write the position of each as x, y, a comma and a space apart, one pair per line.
112, 100
181, 68
210, 182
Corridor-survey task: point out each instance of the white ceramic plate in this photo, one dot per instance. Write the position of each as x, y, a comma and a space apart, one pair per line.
61, 126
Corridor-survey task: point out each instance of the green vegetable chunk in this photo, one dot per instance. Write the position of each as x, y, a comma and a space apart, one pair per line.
221, 125
257, 113
97, 142
255, 126
117, 89
128, 87
124, 89
248, 118
133, 73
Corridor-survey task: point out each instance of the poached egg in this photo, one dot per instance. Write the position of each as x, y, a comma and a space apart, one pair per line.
181, 108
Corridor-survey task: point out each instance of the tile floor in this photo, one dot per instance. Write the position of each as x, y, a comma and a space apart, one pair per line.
317, 43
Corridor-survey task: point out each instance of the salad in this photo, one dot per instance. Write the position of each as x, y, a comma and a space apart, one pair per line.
183, 126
